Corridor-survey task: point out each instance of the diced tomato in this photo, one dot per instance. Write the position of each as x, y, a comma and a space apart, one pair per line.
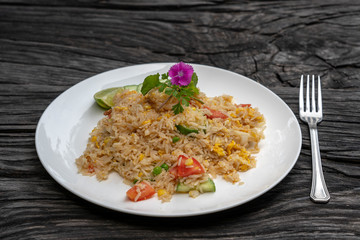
174, 171
91, 168
145, 189
215, 114
243, 105
186, 169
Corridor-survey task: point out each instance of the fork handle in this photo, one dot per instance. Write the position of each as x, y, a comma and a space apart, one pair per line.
319, 192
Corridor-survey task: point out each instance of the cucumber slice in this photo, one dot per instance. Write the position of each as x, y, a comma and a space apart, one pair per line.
104, 98
208, 186
183, 188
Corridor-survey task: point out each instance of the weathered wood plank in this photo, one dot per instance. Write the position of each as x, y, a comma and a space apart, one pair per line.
48, 46
242, 48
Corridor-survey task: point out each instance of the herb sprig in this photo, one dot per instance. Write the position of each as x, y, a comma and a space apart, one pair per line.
176, 83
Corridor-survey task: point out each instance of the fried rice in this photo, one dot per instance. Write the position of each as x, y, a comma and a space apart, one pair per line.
136, 136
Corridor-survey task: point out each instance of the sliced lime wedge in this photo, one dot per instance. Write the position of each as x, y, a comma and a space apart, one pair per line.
104, 98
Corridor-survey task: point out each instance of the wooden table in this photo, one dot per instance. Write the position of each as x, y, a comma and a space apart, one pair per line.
48, 46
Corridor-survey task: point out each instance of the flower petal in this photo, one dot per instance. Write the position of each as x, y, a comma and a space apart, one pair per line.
181, 74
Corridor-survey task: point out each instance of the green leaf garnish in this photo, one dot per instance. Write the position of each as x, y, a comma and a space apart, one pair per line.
164, 76
177, 108
149, 83
169, 91
193, 83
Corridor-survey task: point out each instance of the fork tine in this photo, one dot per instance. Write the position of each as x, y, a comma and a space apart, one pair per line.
307, 94
319, 96
301, 94
313, 104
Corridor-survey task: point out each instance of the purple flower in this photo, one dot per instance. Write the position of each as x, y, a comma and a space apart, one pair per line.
181, 74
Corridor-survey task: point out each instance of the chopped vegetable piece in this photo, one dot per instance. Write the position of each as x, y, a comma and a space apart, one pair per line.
215, 114
185, 130
187, 170
243, 105
156, 171
208, 186
183, 188
91, 168
140, 191
174, 171
165, 166
161, 192
175, 139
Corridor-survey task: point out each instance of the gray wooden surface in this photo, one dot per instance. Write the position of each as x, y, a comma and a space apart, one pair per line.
48, 46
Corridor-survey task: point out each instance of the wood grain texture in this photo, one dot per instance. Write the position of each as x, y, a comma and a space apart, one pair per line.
48, 46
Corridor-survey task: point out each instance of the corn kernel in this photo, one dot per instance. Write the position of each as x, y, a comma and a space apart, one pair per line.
251, 112
161, 192
244, 168
93, 138
238, 123
141, 157
146, 122
233, 115
107, 140
140, 174
189, 162
121, 108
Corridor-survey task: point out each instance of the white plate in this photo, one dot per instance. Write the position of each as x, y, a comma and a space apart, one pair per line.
64, 128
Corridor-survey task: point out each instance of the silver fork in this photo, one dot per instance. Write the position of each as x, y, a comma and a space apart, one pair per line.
312, 116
